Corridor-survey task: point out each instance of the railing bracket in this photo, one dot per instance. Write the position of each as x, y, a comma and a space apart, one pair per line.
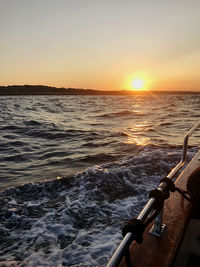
157, 233
158, 227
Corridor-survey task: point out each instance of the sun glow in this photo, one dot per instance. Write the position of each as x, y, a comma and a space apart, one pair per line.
137, 84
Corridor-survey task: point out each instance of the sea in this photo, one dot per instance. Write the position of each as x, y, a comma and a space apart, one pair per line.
73, 169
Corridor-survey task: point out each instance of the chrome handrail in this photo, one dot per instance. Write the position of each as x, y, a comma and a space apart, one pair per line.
148, 208
184, 152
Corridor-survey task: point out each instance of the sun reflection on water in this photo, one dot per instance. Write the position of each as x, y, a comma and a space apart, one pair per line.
141, 141
133, 138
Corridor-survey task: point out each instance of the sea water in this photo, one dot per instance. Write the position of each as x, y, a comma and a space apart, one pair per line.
73, 169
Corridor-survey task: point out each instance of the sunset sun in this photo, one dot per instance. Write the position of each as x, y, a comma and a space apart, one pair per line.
138, 84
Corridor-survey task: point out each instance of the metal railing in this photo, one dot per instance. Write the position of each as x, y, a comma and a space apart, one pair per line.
127, 240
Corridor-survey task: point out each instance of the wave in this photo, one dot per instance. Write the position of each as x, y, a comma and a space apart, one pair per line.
117, 114
40, 130
98, 158
165, 124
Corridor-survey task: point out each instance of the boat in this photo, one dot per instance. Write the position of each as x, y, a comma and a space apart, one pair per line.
169, 225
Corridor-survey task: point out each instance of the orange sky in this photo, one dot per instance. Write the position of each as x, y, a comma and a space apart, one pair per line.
100, 44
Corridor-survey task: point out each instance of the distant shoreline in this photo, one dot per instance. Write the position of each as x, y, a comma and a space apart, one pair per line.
48, 90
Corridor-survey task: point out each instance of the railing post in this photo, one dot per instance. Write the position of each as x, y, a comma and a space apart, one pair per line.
158, 228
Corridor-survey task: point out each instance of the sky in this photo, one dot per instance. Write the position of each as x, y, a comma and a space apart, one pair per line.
101, 44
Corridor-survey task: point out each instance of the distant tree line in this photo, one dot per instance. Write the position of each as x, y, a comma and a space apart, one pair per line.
49, 90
